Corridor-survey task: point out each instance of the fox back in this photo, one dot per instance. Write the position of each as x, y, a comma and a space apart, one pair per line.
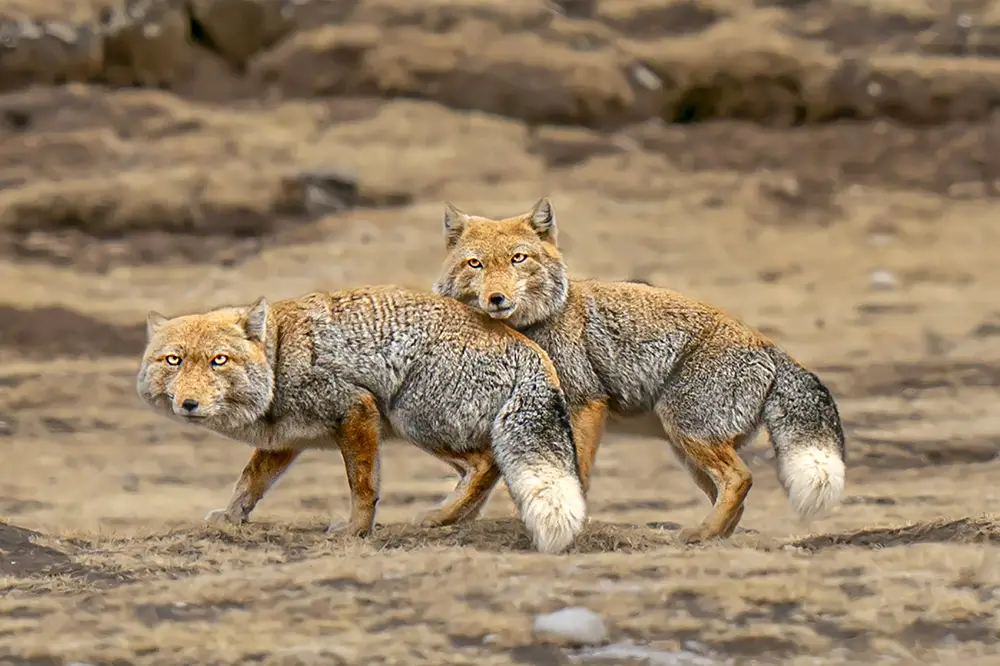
511, 269
208, 369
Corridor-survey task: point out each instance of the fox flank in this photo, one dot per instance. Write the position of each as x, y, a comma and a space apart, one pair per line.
333, 370
628, 348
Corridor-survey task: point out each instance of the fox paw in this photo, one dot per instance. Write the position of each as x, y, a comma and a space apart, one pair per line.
224, 517
438, 518
434, 519
347, 528
695, 535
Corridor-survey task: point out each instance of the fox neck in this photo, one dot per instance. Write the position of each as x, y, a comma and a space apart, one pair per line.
259, 434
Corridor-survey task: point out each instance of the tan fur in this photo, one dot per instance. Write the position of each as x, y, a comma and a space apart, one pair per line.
628, 349
331, 370
588, 428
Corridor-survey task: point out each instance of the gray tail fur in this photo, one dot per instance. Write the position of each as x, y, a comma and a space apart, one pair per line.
533, 447
802, 419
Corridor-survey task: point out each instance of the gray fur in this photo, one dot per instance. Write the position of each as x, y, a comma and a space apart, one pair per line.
443, 378
711, 379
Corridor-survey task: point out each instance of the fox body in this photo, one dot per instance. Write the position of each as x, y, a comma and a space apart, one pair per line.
629, 348
334, 370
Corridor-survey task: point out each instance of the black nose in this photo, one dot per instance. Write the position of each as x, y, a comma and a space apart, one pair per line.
497, 298
189, 405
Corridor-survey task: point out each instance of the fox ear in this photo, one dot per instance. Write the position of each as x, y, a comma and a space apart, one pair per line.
454, 224
154, 320
255, 321
543, 220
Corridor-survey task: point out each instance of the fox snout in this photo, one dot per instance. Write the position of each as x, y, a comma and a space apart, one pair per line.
188, 406
497, 304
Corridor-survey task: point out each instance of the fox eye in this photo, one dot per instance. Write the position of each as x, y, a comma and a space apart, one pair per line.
172, 359
219, 360
518, 257
474, 263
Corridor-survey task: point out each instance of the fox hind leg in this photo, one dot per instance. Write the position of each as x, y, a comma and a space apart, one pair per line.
701, 478
479, 475
704, 481
720, 465
709, 408
259, 474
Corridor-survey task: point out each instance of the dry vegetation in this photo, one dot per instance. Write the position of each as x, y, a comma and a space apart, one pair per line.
843, 198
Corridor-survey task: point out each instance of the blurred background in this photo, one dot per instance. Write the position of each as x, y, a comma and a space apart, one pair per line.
826, 170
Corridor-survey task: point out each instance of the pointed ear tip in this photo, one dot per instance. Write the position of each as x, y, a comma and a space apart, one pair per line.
154, 320
542, 205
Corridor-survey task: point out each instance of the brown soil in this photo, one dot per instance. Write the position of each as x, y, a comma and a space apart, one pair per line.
843, 198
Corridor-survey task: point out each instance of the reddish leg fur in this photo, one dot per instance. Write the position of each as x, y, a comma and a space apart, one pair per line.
479, 476
724, 478
588, 429
359, 445
259, 474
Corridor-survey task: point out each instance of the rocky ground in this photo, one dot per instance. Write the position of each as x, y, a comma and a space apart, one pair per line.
827, 171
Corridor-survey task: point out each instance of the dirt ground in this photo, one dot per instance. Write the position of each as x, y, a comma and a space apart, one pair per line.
826, 171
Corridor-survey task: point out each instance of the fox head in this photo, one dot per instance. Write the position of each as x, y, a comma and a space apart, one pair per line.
511, 269
212, 369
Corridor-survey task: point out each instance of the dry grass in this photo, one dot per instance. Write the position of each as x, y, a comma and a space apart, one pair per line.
123, 570
113, 203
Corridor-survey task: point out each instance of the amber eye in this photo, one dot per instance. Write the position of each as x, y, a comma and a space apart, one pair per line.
219, 360
474, 263
518, 258
173, 359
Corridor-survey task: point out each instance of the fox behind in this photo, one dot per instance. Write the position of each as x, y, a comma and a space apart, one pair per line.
630, 348
330, 370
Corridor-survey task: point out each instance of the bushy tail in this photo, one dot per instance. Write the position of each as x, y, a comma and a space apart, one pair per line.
802, 419
533, 447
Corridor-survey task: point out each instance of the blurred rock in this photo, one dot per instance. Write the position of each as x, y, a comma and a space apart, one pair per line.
319, 192
238, 29
146, 43
883, 279
323, 61
47, 52
322, 192
577, 8
644, 77
130, 483
572, 627
566, 62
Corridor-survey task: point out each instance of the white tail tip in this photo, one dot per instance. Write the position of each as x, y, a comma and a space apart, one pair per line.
553, 509
813, 478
